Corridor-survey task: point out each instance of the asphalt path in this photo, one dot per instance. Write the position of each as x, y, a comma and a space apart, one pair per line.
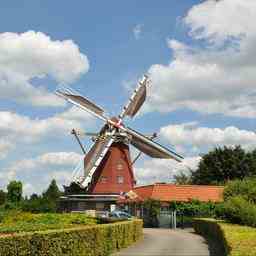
163, 242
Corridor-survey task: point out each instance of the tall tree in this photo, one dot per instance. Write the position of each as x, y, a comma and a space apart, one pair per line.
182, 178
223, 164
2, 197
14, 191
50, 197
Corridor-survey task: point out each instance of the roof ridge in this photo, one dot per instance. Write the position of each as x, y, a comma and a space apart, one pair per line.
188, 185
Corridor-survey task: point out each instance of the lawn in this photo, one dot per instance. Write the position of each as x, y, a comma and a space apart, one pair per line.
17, 221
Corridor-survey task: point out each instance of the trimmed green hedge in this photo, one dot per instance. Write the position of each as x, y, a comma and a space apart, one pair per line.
18, 221
91, 240
236, 240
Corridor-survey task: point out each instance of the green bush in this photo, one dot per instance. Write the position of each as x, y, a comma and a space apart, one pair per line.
194, 208
18, 221
151, 211
238, 210
245, 188
92, 240
235, 240
240, 202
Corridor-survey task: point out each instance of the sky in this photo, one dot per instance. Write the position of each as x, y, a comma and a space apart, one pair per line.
199, 56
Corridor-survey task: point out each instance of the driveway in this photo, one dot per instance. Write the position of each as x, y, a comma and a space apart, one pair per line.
162, 242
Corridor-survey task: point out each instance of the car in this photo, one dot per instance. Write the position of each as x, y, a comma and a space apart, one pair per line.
120, 215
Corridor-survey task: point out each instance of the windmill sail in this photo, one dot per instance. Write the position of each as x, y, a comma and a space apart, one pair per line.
82, 102
94, 157
150, 147
136, 100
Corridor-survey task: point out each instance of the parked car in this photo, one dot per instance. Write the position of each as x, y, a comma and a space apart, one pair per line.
120, 215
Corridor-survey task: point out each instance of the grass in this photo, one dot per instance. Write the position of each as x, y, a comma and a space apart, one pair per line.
17, 221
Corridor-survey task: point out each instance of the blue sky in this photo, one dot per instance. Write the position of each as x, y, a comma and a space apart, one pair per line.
199, 59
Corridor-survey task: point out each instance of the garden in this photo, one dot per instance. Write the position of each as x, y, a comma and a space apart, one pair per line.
32, 226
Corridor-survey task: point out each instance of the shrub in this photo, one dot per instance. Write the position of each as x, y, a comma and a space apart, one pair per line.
238, 210
17, 221
151, 212
195, 208
235, 240
240, 202
92, 240
245, 188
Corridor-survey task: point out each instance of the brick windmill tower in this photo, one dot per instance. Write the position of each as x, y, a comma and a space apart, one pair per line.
108, 168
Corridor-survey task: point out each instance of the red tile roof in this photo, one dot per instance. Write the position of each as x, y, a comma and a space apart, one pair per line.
172, 192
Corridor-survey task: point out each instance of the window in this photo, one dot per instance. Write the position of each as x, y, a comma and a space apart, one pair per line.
120, 165
120, 179
99, 206
104, 179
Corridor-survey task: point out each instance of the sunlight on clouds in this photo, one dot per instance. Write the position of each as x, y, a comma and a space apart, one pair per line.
17, 129
199, 138
31, 55
160, 170
40, 170
219, 75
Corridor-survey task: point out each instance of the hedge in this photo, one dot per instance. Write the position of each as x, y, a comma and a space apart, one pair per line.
91, 240
235, 240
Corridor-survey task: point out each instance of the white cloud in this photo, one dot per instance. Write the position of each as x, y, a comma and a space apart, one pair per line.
52, 159
201, 138
219, 75
160, 170
36, 173
5, 148
18, 129
30, 55
137, 31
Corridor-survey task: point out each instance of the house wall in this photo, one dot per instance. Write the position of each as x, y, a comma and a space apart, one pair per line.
82, 205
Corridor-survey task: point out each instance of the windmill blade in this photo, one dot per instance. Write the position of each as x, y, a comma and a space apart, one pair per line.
151, 137
94, 157
150, 147
81, 102
137, 99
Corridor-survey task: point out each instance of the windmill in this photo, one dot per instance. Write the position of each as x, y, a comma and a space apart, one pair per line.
111, 145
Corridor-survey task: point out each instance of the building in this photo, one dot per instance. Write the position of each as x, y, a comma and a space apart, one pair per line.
113, 177
166, 193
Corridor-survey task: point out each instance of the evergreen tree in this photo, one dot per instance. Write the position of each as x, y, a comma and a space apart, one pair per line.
14, 194
50, 197
52, 193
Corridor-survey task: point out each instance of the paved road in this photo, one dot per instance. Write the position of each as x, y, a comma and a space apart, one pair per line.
163, 242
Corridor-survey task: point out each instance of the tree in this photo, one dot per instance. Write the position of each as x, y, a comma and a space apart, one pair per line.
2, 197
151, 211
223, 164
182, 178
14, 194
52, 193
73, 188
50, 198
